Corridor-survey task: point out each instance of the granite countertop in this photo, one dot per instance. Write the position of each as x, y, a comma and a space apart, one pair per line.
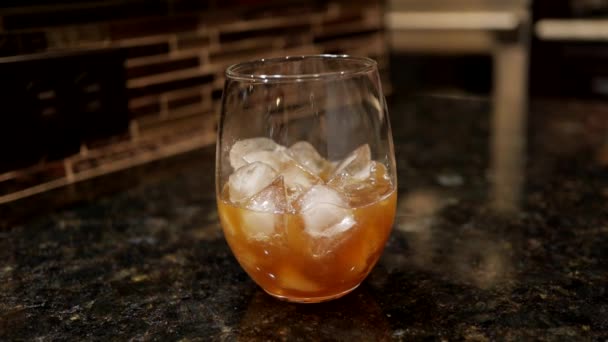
140, 254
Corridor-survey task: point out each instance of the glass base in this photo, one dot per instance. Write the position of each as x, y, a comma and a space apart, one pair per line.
312, 300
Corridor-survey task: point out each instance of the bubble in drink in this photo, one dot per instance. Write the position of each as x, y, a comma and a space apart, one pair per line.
249, 180
243, 147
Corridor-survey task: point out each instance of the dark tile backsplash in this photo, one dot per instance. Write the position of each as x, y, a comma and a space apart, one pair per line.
156, 89
55, 102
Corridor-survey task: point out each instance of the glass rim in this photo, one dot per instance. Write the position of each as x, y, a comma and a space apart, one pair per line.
363, 65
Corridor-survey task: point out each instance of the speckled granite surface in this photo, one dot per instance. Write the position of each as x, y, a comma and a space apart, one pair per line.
146, 260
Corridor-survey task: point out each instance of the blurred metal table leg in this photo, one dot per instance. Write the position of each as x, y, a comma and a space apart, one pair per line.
509, 124
502, 33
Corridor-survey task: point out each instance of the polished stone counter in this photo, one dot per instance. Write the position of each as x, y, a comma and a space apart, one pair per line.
140, 255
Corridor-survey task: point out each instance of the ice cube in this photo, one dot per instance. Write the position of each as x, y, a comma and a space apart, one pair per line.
297, 180
325, 212
244, 147
275, 159
265, 211
247, 259
258, 225
357, 165
249, 180
363, 191
269, 200
307, 156
227, 220
292, 279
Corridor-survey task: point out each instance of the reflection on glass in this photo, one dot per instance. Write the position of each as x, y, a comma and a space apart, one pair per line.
509, 127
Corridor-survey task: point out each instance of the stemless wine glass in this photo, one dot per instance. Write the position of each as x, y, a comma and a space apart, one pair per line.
305, 173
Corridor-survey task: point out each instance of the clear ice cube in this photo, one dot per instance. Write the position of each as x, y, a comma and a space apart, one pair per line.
270, 199
356, 166
247, 258
290, 278
243, 147
248, 180
361, 192
307, 156
275, 159
297, 180
265, 209
325, 212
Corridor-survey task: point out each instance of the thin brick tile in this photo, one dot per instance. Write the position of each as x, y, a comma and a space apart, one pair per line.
147, 50
162, 67
83, 12
26, 178
153, 26
185, 102
76, 36
193, 40
193, 119
163, 83
263, 28
186, 92
244, 50
144, 106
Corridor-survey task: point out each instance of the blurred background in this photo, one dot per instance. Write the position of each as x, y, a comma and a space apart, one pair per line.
93, 87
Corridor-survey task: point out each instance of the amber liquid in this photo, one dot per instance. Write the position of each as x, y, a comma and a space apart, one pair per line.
294, 266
